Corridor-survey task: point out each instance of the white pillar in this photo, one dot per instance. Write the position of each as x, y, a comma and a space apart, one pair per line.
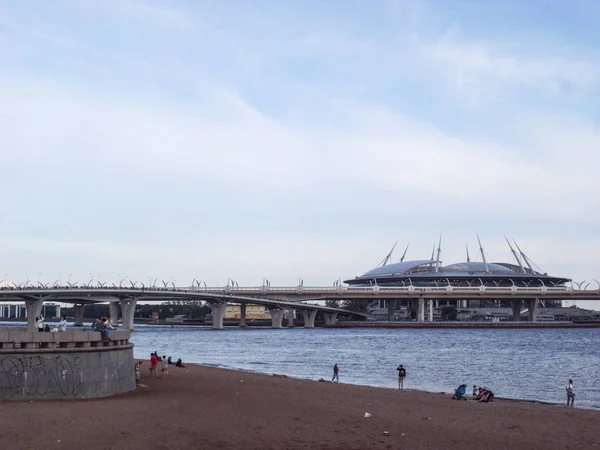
34, 308
330, 318
516, 307
128, 312
113, 308
78, 311
290, 313
421, 309
218, 314
276, 318
533, 309
430, 310
309, 318
242, 315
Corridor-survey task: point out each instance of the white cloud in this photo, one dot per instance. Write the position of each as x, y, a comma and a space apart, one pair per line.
221, 164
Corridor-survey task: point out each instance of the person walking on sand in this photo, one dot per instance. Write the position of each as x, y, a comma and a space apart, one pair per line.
336, 375
401, 376
570, 394
153, 364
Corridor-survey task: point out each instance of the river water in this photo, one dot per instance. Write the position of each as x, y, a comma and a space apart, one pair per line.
533, 364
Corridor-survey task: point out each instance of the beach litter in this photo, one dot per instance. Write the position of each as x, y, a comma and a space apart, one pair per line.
386, 433
367, 414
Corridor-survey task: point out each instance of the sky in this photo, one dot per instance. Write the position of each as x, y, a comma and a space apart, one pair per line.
243, 140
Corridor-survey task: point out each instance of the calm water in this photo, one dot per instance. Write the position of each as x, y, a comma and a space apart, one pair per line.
527, 364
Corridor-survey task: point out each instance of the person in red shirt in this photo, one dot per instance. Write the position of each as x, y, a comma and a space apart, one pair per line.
153, 364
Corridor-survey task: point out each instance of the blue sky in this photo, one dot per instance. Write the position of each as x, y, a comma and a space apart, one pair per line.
292, 140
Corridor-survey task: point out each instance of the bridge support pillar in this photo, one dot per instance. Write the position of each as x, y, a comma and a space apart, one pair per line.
430, 316
113, 309
218, 314
533, 310
34, 309
242, 315
516, 307
276, 318
330, 318
128, 311
421, 309
79, 309
290, 313
309, 318
390, 309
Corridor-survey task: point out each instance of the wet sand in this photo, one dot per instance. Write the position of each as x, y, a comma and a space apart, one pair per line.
208, 408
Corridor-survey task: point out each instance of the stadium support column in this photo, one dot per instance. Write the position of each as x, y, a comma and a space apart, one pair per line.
78, 311
430, 318
516, 307
218, 314
276, 318
309, 318
533, 310
421, 310
33, 308
243, 315
390, 309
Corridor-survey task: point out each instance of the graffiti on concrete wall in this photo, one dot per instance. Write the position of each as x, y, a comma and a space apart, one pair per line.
29, 376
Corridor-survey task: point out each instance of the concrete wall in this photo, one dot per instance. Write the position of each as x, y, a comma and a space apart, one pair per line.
66, 373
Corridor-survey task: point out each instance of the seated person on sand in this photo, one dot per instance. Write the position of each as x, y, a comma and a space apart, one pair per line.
460, 392
485, 396
179, 363
169, 361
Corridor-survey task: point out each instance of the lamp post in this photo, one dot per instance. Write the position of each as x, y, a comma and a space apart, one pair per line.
38, 279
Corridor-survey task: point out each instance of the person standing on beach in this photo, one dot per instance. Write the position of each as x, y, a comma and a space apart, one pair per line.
570, 394
336, 371
401, 376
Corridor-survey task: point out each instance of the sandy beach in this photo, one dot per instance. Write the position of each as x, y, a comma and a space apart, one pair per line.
208, 408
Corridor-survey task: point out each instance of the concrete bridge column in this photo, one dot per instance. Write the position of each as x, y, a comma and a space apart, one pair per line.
34, 309
243, 315
128, 312
516, 307
330, 318
276, 318
430, 318
533, 309
309, 318
421, 310
113, 309
218, 314
290, 313
390, 310
79, 309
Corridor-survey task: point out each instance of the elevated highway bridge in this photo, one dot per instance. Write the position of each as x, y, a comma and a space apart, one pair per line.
279, 299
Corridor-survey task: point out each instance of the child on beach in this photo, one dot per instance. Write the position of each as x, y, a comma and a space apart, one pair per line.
165, 366
138, 375
474, 391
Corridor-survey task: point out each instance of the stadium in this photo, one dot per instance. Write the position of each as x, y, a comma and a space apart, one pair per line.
522, 272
